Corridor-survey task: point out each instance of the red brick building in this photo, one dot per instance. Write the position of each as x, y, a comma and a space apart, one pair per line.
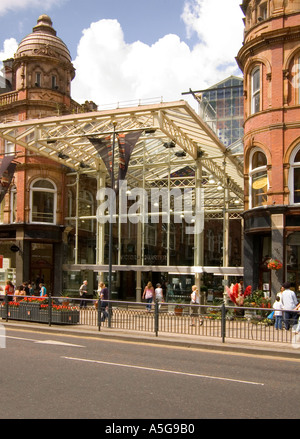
38, 85
270, 61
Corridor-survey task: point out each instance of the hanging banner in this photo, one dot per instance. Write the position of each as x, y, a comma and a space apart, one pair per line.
104, 148
126, 144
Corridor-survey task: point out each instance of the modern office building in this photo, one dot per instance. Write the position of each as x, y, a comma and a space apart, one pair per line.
270, 61
221, 106
65, 216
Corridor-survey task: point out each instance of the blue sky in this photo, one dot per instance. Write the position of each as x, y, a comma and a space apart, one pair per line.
135, 49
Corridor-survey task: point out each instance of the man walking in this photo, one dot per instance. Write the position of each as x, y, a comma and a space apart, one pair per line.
83, 291
289, 302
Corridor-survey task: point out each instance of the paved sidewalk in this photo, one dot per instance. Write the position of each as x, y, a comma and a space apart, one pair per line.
231, 345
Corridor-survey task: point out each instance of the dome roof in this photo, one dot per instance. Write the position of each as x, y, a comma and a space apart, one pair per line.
43, 41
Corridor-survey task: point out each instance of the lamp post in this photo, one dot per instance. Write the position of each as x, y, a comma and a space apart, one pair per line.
110, 245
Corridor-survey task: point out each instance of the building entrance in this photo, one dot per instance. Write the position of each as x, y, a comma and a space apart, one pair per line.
41, 266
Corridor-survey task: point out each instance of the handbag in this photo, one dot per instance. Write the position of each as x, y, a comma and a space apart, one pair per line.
271, 315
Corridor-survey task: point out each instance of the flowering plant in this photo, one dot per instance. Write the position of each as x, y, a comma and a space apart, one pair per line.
58, 307
237, 295
274, 264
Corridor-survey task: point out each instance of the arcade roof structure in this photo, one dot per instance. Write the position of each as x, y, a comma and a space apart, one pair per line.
65, 139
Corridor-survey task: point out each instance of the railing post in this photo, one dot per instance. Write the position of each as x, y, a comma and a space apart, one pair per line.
6, 306
50, 310
223, 322
99, 314
156, 316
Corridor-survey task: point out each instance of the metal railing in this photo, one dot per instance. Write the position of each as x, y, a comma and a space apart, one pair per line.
223, 322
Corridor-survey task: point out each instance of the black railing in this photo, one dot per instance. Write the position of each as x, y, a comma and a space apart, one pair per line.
224, 322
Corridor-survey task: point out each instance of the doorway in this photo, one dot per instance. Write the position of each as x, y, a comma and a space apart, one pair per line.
41, 266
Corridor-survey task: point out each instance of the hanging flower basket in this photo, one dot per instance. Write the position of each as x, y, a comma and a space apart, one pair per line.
274, 264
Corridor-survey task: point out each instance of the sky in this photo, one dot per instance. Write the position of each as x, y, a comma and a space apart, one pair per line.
130, 50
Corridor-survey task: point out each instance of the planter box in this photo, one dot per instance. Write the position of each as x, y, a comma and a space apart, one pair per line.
65, 317
31, 312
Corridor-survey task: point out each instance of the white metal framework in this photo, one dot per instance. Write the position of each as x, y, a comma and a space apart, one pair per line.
196, 152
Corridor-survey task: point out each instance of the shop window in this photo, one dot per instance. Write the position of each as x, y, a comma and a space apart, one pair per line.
255, 90
43, 202
258, 179
294, 180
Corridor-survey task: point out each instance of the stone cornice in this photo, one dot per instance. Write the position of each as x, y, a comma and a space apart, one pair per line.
266, 39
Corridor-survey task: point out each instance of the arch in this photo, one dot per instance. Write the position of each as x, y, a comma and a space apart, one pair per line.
258, 177
294, 174
43, 201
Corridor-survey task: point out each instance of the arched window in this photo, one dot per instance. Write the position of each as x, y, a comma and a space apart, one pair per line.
258, 179
294, 176
13, 204
43, 202
255, 90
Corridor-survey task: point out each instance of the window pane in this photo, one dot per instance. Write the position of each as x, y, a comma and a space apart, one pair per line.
259, 189
297, 185
42, 207
256, 81
258, 160
297, 158
44, 184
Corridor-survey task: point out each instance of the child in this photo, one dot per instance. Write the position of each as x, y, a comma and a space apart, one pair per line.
278, 313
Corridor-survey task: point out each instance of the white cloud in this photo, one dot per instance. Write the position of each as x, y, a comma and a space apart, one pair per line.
12, 5
9, 48
109, 70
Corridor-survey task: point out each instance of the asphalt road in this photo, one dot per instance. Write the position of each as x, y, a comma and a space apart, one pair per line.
52, 376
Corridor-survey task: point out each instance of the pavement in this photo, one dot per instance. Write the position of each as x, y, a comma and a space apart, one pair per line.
231, 345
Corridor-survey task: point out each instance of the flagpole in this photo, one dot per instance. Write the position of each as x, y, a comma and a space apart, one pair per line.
111, 229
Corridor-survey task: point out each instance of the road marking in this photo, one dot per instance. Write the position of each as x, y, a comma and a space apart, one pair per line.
51, 342
58, 343
130, 366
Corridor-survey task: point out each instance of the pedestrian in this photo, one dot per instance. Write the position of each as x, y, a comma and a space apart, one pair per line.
104, 297
195, 302
43, 291
19, 292
297, 329
83, 291
280, 293
289, 302
159, 295
277, 305
30, 289
9, 290
148, 294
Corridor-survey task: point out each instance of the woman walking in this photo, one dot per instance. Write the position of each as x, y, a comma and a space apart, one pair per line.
148, 294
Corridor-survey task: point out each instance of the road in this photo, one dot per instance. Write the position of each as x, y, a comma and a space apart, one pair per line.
55, 376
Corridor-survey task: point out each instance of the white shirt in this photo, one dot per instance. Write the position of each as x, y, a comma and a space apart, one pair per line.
278, 307
289, 300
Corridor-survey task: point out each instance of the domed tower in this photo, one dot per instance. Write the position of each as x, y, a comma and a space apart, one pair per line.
32, 212
270, 61
42, 72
